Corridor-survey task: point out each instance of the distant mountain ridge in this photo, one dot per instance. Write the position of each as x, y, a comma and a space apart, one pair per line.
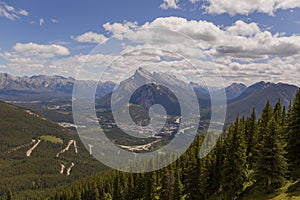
256, 96
240, 98
43, 83
235, 90
60, 84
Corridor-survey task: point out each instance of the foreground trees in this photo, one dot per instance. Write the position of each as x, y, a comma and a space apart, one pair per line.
252, 153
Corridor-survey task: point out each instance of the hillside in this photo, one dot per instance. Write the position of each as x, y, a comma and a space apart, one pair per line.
29, 159
256, 95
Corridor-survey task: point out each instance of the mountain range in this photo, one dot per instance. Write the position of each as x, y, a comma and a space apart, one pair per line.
240, 98
54, 90
41, 84
57, 84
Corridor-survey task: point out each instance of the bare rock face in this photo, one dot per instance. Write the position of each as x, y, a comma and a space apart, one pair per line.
44, 83
235, 90
36, 83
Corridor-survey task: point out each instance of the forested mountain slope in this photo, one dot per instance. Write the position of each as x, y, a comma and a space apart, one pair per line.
32, 157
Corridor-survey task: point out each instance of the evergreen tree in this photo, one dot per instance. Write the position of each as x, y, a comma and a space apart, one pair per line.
293, 146
77, 193
234, 166
217, 163
178, 187
251, 138
140, 185
117, 187
193, 172
206, 171
94, 192
264, 120
9, 195
130, 189
271, 164
167, 186
267, 114
151, 185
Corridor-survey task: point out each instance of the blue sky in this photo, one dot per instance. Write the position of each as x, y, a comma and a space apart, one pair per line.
39, 24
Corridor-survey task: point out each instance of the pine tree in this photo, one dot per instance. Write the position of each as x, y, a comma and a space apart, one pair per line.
117, 187
77, 193
234, 166
167, 186
278, 112
9, 195
178, 187
251, 138
267, 114
140, 186
192, 172
264, 120
218, 160
206, 175
151, 185
293, 146
130, 189
271, 164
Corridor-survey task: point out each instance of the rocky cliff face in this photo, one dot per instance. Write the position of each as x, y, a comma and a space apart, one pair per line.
44, 83
36, 83
235, 90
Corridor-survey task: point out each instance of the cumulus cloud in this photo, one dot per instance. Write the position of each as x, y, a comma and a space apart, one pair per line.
243, 29
40, 50
228, 47
194, 1
243, 52
241, 40
169, 4
246, 7
41, 21
55, 21
23, 12
10, 12
91, 37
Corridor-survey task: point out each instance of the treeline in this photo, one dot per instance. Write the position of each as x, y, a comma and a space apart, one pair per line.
252, 155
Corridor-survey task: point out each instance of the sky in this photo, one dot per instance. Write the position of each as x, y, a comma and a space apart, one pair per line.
245, 41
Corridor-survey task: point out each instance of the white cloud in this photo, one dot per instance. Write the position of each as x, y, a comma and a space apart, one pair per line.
241, 40
246, 7
55, 21
243, 52
39, 50
169, 4
24, 12
41, 21
194, 1
3, 67
91, 37
227, 47
10, 12
243, 29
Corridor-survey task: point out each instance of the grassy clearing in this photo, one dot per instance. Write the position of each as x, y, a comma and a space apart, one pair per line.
284, 193
52, 139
